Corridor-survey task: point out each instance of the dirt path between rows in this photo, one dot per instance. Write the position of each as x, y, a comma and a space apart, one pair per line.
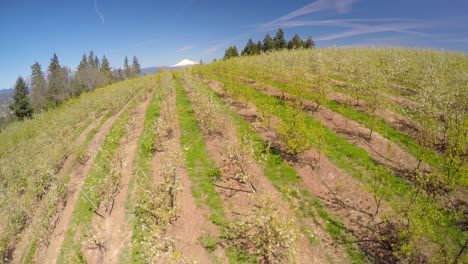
243, 202
114, 229
342, 194
192, 221
378, 147
390, 97
78, 176
395, 120
27, 235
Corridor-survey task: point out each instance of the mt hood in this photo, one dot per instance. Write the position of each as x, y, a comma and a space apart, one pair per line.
184, 63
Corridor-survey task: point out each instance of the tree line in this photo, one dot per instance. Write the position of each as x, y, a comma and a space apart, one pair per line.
60, 83
268, 44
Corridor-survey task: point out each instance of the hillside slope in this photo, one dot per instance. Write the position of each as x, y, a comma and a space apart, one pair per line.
309, 156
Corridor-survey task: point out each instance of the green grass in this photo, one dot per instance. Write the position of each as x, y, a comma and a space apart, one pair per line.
30, 251
143, 171
286, 180
202, 171
354, 161
406, 142
200, 166
80, 225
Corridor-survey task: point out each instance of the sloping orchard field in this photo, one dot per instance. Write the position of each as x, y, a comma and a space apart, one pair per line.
394, 119
34, 153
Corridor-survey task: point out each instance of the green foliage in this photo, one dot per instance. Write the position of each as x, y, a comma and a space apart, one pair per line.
27, 179
294, 132
278, 43
279, 40
145, 148
21, 106
106, 70
136, 69
354, 160
200, 166
250, 49
309, 43
209, 242
268, 43
295, 42
265, 234
127, 69
231, 52
285, 179
93, 188
38, 88
56, 81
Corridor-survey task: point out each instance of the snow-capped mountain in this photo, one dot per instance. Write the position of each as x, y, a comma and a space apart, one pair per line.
184, 63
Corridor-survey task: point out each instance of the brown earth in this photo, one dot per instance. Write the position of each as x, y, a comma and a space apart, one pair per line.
243, 201
50, 253
192, 221
114, 229
392, 98
343, 194
27, 235
395, 120
381, 149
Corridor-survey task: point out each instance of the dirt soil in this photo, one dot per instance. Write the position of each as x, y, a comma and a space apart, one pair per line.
342, 194
321, 253
67, 164
114, 229
381, 149
78, 176
192, 221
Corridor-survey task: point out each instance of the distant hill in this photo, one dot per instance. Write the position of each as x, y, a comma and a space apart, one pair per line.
5, 99
181, 64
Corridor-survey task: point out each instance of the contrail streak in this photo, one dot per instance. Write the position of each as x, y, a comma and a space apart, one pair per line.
97, 11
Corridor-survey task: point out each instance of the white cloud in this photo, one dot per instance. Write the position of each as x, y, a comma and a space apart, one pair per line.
98, 12
354, 27
360, 29
340, 6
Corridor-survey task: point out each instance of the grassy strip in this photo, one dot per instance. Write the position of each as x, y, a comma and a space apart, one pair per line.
202, 169
145, 149
286, 180
52, 205
352, 159
80, 225
432, 158
200, 166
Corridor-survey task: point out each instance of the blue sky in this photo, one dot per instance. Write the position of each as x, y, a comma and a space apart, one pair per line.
165, 32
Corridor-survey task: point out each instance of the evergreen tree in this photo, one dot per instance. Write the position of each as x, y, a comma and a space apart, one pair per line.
66, 90
268, 43
127, 70
119, 76
279, 40
136, 69
106, 70
21, 106
55, 81
250, 48
96, 62
39, 88
259, 47
231, 52
91, 58
309, 43
83, 62
296, 42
